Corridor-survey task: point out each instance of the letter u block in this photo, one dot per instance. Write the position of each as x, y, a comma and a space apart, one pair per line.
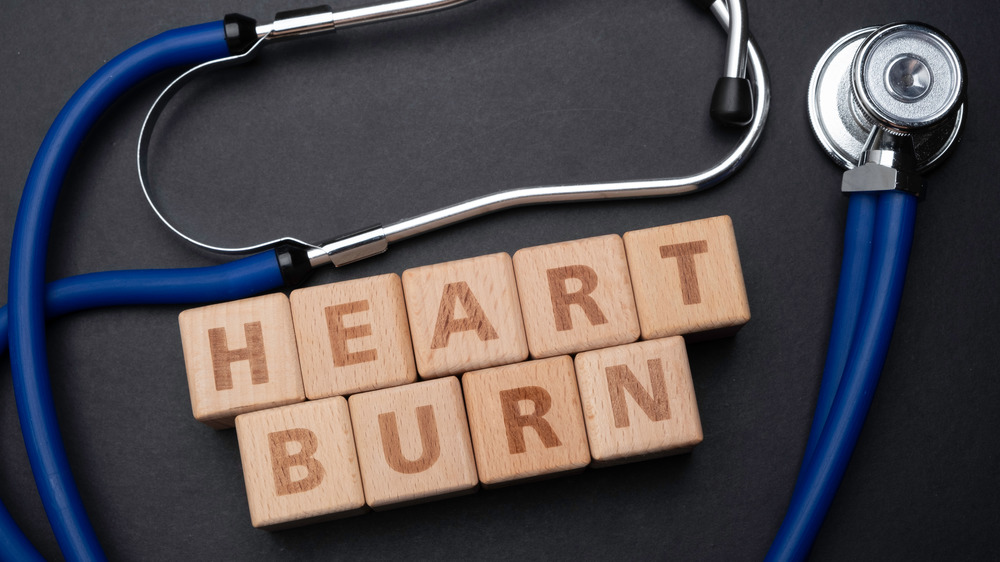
413, 443
526, 421
353, 336
576, 296
300, 464
464, 315
687, 279
638, 400
240, 357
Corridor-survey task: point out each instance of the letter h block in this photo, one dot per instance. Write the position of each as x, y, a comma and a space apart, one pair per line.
526, 421
240, 357
413, 443
687, 279
638, 401
300, 464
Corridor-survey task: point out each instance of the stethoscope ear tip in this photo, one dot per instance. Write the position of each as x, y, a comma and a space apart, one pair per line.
732, 102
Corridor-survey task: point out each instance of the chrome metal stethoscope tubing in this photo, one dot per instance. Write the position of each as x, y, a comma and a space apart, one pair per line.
313, 20
375, 240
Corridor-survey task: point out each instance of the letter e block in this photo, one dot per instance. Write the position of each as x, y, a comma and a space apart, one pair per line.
464, 315
353, 336
576, 296
240, 357
638, 400
526, 421
687, 279
299, 464
413, 443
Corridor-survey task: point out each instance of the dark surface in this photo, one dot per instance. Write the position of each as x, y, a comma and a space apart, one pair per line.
324, 136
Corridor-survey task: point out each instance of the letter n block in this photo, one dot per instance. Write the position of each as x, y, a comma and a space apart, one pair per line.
576, 296
353, 336
299, 464
638, 400
526, 420
687, 279
240, 357
413, 443
464, 315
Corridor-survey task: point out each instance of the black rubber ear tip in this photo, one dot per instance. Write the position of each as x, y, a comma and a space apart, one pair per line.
706, 4
732, 102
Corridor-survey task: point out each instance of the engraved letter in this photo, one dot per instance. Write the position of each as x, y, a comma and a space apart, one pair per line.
223, 357
656, 407
429, 442
686, 267
282, 462
475, 317
561, 300
515, 421
339, 334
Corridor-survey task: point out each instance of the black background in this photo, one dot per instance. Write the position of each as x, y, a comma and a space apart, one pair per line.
326, 135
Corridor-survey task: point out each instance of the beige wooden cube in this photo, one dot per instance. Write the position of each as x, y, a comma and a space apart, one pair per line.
638, 401
353, 336
687, 279
413, 443
576, 296
240, 357
464, 315
299, 464
526, 421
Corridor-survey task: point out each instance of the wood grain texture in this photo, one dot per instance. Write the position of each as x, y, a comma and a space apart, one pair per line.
240, 356
464, 315
638, 401
687, 279
576, 296
300, 464
353, 336
526, 421
413, 443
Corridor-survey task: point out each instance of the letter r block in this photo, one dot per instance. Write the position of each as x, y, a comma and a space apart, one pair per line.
413, 443
240, 357
526, 420
353, 336
464, 315
576, 296
687, 279
300, 464
638, 400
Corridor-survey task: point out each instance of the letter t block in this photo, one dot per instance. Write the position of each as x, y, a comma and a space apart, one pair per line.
240, 357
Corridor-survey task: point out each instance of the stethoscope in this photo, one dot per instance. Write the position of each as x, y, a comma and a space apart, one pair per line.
741, 98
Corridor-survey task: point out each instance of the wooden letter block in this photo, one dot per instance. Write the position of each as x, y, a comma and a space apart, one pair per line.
464, 315
353, 336
299, 464
526, 420
413, 443
638, 400
576, 296
687, 279
240, 357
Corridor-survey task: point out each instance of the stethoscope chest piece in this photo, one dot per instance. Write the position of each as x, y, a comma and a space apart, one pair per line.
903, 78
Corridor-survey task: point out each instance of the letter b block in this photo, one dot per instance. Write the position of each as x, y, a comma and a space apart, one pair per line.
687, 279
299, 464
240, 357
638, 400
413, 443
526, 420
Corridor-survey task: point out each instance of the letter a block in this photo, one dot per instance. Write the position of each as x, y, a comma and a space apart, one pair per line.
240, 356
687, 279
413, 443
576, 296
638, 400
526, 420
464, 315
353, 336
299, 464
